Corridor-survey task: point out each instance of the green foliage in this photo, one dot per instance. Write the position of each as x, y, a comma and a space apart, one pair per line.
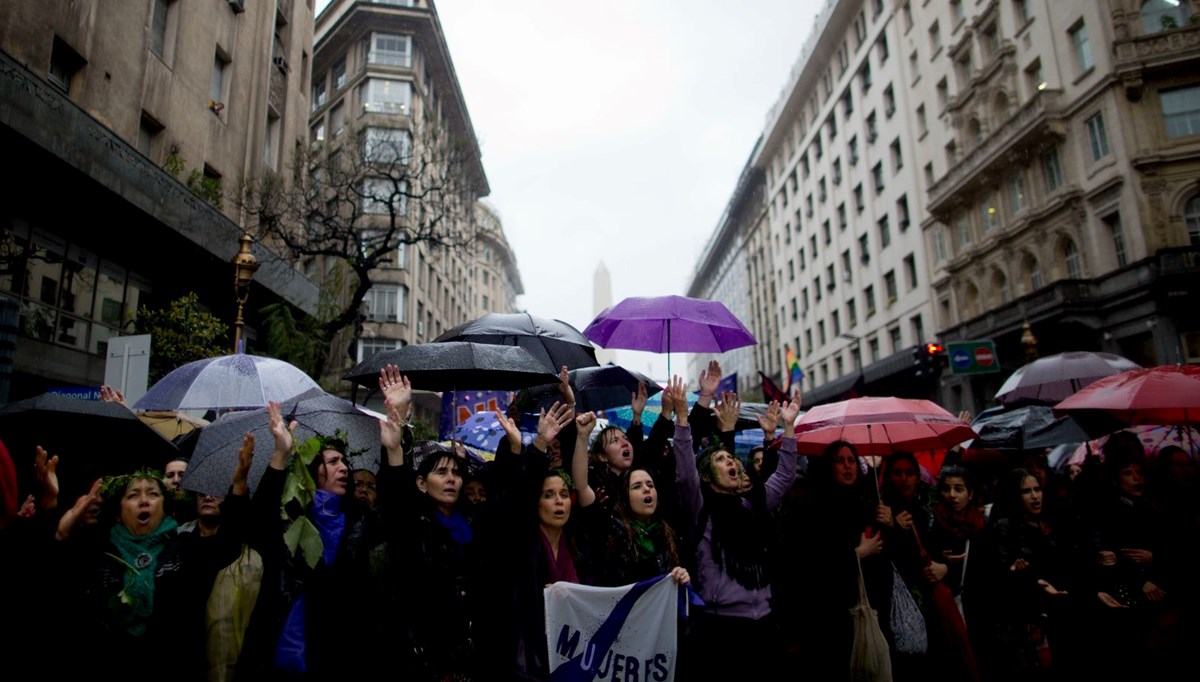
174, 163
299, 490
299, 342
206, 187
181, 333
303, 536
422, 430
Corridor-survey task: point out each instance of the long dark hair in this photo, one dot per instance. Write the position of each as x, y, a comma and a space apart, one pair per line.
624, 514
740, 537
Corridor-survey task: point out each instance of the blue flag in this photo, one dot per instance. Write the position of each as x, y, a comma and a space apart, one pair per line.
459, 406
728, 384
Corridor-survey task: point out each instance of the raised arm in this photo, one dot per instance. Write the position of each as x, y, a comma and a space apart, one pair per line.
584, 424
784, 476
282, 435
686, 474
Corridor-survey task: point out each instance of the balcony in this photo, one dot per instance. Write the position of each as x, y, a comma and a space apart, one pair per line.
1038, 119
1172, 50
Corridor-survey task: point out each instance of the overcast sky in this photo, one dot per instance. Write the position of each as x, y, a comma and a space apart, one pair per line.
616, 132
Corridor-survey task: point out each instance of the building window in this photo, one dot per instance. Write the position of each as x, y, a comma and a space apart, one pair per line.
148, 130
864, 76
939, 244
935, 39
846, 276
943, 94
1052, 169
389, 50
910, 271
1033, 270
831, 277
897, 340
929, 177
847, 104
386, 303
906, 16
339, 74
852, 146
1083, 48
851, 314
902, 212
964, 69
885, 233
922, 125
872, 129
318, 92
272, 141
858, 198
828, 232
370, 346
804, 164
962, 230
877, 176
822, 192
991, 42
918, 328
380, 95
220, 81
889, 286
897, 156
160, 28
385, 196
1035, 78
956, 11
835, 318
837, 171
65, 62
881, 48
1022, 11
1097, 136
914, 66
1181, 111
1000, 284
864, 248
1017, 200
889, 101
1118, 238
841, 216
386, 145
1191, 216
869, 299
1072, 259
989, 212
1163, 15
831, 123
337, 118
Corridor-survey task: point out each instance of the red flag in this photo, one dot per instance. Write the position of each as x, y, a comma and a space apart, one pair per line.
771, 391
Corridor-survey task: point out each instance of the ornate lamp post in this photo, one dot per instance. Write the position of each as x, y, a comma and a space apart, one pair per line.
244, 267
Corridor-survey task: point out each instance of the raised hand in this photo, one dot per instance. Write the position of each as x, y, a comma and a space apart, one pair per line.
28, 508
514, 434
112, 395
584, 423
282, 433
47, 475
241, 474
677, 391
460, 450
396, 390
710, 379
637, 402
75, 514
727, 411
564, 387
391, 435
550, 423
770, 421
788, 414
1153, 592
668, 405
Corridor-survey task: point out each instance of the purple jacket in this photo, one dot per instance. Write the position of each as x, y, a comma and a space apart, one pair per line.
722, 595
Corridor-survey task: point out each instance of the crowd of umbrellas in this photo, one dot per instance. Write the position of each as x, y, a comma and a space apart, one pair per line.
1065, 401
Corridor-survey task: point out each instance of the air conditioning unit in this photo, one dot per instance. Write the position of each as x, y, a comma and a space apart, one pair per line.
238, 6
871, 136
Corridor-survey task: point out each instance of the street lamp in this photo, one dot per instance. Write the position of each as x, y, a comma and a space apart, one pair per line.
244, 267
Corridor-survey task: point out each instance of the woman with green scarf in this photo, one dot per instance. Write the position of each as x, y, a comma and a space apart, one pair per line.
127, 570
635, 539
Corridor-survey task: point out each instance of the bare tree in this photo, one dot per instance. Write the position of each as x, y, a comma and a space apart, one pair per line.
357, 197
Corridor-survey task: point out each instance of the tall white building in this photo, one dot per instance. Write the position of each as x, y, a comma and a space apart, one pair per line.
601, 300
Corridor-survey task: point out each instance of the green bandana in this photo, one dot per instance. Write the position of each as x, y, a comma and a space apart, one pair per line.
643, 532
139, 554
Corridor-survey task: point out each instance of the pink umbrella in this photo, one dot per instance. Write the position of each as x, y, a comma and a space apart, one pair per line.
1167, 394
1153, 438
880, 426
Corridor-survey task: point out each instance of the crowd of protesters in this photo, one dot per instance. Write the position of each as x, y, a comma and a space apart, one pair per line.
432, 567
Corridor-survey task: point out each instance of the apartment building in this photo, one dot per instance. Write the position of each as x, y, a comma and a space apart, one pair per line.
1061, 182
383, 79
953, 170
133, 124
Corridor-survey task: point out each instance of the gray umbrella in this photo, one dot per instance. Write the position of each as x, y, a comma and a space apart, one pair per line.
316, 412
456, 365
226, 382
1051, 379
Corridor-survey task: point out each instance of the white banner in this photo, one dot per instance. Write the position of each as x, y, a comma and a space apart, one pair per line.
614, 633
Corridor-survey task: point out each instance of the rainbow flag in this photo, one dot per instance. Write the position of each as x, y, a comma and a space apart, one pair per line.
795, 374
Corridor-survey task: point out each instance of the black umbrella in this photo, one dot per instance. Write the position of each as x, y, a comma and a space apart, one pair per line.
316, 413
595, 388
91, 437
1032, 427
457, 365
553, 342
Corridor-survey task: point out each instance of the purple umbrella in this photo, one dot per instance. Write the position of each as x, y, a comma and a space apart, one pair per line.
1054, 378
666, 324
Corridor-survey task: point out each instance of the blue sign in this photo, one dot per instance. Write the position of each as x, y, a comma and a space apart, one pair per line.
78, 392
961, 359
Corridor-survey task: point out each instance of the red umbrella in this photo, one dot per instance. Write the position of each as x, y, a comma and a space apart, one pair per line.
1164, 395
880, 426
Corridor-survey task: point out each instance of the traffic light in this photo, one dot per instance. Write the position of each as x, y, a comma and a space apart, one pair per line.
927, 360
